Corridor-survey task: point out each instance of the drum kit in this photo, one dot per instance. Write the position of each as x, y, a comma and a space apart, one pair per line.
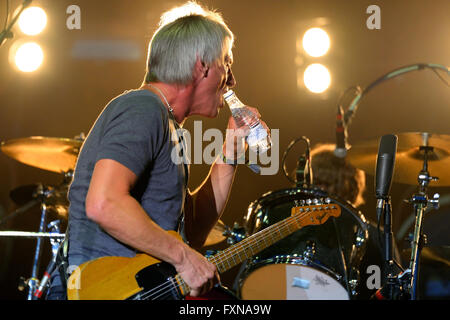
317, 262
52, 154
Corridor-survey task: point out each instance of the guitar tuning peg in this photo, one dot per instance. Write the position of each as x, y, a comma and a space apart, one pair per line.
308, 201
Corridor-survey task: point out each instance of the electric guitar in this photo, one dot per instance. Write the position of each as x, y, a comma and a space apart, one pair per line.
146, 278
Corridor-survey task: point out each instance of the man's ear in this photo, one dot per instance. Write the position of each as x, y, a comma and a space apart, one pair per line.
201, 69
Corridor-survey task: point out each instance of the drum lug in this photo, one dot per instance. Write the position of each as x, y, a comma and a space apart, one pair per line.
354, 281
360, 238
310, 250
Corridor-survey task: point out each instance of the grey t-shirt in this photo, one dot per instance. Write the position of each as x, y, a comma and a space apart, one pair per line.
136, 130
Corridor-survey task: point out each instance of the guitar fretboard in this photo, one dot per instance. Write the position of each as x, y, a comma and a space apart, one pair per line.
245, 249
263, 239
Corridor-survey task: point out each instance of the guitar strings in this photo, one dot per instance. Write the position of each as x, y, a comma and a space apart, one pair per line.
157, 290
282, 224
168, 287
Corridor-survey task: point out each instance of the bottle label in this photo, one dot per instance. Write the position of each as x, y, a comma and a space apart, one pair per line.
257, 139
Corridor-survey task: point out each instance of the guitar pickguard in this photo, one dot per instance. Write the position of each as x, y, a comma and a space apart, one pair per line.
158, 283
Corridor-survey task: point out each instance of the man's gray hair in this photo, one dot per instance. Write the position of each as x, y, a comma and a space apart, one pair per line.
186, 33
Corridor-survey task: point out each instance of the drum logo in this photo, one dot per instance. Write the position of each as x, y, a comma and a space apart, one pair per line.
320, 281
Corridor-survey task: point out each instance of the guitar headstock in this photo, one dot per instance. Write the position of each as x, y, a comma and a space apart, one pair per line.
317, 213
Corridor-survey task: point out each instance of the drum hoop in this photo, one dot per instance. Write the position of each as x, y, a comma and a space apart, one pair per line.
296, 260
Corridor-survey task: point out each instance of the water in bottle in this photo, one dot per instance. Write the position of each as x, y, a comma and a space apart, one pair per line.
258, 139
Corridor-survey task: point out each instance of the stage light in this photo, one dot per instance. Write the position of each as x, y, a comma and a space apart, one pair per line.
28, 57
316, 42
32, 21
316, 78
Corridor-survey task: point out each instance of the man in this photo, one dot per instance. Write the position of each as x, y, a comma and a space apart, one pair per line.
127, 189
336, 175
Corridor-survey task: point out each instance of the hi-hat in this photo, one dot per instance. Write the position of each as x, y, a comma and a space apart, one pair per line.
409, 159
54, 197
216, 235
52, 154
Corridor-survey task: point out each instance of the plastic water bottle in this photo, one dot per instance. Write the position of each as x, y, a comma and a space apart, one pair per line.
258, 139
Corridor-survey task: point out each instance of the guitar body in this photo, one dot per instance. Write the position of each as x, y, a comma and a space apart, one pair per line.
120, 278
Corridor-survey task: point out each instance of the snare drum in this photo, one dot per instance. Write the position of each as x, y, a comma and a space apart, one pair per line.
317, 262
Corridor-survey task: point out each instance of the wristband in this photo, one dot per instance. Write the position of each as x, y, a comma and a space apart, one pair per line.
253, 166
231, 162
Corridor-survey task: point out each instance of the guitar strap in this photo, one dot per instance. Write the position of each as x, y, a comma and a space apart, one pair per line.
62, 260
180, 132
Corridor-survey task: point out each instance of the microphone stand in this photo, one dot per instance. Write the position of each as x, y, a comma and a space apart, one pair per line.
6, 33
394, 287
420, 202
404, 285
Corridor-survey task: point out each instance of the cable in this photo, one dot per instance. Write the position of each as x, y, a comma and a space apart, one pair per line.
7, 14
6, 33
399, 71
289, 147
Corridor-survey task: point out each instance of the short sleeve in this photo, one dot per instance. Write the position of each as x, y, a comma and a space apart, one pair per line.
134, 134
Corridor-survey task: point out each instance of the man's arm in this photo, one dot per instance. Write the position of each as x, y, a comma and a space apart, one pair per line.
206, 204
110, 204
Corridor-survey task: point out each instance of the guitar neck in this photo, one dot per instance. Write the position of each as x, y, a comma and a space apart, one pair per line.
245, 249
263, 239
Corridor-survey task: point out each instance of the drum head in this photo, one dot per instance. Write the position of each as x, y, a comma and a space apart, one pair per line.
291, 282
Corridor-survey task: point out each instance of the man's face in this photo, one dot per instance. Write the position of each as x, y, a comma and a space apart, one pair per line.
219, 78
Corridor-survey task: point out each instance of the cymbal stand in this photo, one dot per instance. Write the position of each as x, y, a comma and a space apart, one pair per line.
420, 203
56, 243
33, 282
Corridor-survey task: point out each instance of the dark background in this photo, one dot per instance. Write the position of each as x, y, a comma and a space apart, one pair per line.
64, 97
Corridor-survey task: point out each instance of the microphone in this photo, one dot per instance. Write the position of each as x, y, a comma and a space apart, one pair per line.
384, 170
341, 134
385, 165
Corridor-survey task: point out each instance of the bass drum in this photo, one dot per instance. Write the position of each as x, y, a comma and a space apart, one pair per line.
317, 262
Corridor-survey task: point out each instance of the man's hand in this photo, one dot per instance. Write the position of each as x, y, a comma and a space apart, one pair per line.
198, 273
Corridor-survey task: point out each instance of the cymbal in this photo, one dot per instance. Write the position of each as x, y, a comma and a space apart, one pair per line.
216, 235
409, 157
55, 198
52, 154
50, 194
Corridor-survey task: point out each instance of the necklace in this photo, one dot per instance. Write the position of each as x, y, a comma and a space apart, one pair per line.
165, 99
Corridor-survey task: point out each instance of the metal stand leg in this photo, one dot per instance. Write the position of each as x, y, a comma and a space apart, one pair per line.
415, 251
56, 243
420, 202
33, 282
